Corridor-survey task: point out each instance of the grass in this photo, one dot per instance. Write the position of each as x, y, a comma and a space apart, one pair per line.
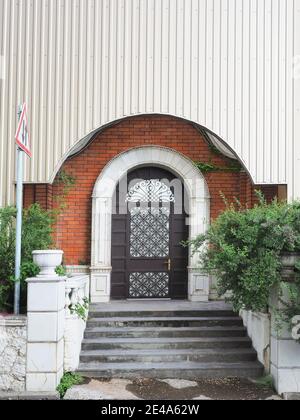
68, 381
265, 382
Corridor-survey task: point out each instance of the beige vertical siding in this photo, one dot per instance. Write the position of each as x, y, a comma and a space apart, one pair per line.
225, 64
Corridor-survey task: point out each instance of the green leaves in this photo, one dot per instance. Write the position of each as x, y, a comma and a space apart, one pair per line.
68, 381
245, 247
36, 234
290, 303
81, 310
61, 271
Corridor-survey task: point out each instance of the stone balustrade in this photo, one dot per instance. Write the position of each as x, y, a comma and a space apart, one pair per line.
76, 295
77, 290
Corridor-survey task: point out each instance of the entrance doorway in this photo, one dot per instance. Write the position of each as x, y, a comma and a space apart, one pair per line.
148, 228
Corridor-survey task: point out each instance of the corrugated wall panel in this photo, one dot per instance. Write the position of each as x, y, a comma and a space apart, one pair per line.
295, 176
224, 64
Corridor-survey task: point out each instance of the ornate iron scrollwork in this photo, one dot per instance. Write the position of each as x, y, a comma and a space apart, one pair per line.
148, 285
150, 191
149, 232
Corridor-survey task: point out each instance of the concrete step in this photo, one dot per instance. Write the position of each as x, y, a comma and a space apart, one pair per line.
137, 332
147, 313
166, 343
164, 322
171, 370
169, 355
173, 341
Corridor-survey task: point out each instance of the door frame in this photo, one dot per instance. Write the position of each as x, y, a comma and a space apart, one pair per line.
172, 198
105, 186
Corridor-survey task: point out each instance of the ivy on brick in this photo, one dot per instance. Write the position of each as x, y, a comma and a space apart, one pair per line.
67, 181
206, 167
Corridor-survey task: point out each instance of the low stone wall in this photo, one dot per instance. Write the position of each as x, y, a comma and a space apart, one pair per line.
74, 332
13, 337
259, 330
285, 353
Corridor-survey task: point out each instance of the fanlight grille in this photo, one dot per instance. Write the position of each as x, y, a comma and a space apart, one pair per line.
151, 190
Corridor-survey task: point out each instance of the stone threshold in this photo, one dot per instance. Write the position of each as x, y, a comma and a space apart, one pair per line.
291, 396
13, 321
13, 396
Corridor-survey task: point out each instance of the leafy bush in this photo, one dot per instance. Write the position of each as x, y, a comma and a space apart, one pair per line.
7, 248
81, 309
244, 250
68, 380
61, 271
290, 304
36, 234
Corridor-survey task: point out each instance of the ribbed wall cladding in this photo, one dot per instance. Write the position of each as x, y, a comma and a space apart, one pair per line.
80, 64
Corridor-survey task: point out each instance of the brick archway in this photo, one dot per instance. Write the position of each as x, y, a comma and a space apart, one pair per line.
199, 214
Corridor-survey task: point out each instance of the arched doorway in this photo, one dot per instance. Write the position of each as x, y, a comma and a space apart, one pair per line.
197, 220
148, 228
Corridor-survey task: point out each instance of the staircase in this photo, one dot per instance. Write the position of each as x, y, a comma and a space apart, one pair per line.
172, 342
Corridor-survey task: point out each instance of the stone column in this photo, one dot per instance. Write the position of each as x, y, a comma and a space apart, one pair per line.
199, 282
45, 341
101, 250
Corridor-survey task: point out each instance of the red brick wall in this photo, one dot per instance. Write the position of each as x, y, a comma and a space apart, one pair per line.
38, 193
73, 231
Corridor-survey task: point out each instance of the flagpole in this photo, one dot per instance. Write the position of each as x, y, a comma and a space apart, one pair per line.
19, 203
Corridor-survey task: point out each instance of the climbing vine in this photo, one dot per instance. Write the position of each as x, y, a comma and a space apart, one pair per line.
206, 167
67, 182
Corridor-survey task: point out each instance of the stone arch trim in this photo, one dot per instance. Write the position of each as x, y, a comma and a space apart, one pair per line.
105, 186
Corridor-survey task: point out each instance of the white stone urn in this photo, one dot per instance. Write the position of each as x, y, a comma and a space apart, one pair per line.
48, 261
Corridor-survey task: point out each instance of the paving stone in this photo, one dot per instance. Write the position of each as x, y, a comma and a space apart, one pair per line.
114, 389
179, 383
291, 396
202, 397
274, 398
28, 396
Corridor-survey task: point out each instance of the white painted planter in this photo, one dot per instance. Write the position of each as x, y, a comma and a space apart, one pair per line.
47, 261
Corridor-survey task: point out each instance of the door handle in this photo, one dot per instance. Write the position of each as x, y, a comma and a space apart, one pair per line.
169, 264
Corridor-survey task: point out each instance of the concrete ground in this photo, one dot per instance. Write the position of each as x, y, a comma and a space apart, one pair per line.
171, 389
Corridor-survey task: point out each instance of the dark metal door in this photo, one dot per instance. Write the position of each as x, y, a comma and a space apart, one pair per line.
148, 259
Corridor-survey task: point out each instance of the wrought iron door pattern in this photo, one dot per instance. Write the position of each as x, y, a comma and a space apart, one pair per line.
149, 235
149, 232
149, 285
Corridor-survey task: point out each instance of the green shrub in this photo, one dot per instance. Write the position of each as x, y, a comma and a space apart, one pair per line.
68, 380
61, 271
244, 250
290, 304
36, 234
